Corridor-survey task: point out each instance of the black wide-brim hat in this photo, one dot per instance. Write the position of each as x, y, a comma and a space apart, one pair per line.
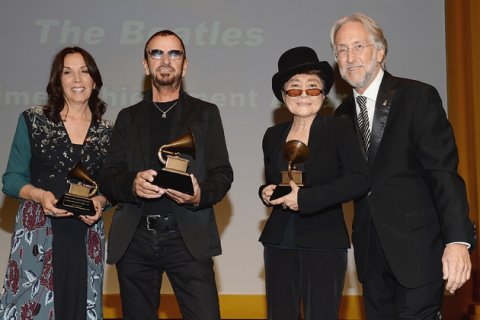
299, 60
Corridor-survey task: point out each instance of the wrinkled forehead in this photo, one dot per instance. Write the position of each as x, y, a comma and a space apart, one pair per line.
351, 32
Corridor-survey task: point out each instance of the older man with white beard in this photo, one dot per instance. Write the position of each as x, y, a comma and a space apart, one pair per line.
412, 231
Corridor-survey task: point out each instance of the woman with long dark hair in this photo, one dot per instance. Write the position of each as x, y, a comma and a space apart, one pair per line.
55, 269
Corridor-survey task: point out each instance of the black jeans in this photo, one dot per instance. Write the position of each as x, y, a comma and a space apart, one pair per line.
149, 255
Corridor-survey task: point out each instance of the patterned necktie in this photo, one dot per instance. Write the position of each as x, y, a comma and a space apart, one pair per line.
362, 120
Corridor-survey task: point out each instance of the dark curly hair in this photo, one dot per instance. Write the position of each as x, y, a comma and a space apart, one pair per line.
56, 100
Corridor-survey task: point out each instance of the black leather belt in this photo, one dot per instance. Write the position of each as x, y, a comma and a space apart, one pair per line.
164, 223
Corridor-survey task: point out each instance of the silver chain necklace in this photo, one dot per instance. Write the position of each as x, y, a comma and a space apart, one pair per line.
164, 113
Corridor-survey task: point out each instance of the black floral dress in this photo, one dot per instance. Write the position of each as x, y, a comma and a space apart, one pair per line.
56, 264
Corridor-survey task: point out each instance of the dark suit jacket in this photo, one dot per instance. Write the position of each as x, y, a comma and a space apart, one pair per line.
129, 153
335, 172
417, 201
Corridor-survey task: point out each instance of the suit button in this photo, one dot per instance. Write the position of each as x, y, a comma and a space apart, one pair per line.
369, 193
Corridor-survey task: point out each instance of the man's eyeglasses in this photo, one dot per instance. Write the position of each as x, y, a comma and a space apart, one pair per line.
357, 49
298, 92
157, 54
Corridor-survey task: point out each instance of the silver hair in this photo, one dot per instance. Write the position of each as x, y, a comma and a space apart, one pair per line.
375, 32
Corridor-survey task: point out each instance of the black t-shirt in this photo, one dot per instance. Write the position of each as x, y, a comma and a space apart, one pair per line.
159, 135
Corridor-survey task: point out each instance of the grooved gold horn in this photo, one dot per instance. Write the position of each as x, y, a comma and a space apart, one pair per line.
295, 151
184, 144
79, 172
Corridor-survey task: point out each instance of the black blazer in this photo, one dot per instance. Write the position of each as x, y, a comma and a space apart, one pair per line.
417, 201
129, 153
335, 172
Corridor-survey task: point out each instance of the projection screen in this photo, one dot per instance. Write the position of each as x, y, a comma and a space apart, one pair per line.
233, 47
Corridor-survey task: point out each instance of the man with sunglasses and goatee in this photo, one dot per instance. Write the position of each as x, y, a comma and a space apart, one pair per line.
157, 228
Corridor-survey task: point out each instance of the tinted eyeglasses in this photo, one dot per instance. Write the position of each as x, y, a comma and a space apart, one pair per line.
157, 54
298, 92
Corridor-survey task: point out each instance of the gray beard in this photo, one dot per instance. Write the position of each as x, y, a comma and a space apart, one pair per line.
369, 75
360, 84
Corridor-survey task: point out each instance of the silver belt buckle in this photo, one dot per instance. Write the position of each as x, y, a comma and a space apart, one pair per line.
148, 221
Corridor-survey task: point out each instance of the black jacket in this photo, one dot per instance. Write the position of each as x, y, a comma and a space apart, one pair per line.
335, 172
129, 153
417, 200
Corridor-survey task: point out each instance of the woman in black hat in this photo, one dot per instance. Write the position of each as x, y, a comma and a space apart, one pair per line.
305, 239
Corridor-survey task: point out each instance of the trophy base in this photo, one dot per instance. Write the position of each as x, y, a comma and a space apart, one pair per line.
176, 181
76, 205
280, 191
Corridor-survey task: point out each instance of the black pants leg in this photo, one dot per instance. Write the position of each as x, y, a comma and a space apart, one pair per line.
386, 299
322, 279
315, 277
282, 283
140, 278
194, 285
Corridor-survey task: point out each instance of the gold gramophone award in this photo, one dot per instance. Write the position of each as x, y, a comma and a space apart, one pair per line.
295, 151
174, 175
78, 199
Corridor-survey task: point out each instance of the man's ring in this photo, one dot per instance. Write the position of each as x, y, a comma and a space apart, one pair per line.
284, 206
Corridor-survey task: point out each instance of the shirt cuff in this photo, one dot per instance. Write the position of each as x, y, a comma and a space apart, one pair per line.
460, 242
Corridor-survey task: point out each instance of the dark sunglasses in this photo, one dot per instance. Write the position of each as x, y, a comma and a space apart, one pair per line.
157, 54
298, 92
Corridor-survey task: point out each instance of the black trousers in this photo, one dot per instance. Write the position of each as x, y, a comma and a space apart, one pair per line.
385, 298
149, 255
313, 277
